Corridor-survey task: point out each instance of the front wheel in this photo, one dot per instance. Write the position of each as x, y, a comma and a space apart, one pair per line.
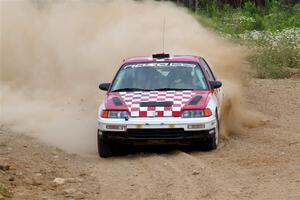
104, 148
213, 141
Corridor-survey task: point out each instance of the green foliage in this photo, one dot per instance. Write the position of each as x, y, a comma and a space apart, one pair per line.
277, 54
273, 31
231, 20
208, 4
274, 62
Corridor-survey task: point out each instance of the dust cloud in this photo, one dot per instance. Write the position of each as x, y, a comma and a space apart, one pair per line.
55, 53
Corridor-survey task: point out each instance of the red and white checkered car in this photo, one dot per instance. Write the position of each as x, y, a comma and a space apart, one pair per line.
160, 99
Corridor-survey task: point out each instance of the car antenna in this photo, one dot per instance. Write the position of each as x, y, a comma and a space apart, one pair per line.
162, 55
163, 35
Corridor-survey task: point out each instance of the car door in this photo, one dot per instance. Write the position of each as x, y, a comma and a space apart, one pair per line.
218, 93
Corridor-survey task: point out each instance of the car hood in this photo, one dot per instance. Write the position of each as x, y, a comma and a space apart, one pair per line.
157, 103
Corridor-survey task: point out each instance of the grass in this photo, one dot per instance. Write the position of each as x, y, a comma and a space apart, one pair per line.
277, 59
273, 32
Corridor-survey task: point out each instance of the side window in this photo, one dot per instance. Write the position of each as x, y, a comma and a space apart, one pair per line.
207, 69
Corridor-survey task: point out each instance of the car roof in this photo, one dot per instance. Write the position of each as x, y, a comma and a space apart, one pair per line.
172, 58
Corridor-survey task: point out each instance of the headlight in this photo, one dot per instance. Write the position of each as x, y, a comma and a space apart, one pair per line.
117, 114
114, 114
196, 113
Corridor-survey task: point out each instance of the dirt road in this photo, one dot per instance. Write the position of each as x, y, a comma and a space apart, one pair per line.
261, 163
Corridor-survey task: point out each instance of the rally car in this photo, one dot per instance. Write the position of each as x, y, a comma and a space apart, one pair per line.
160, 99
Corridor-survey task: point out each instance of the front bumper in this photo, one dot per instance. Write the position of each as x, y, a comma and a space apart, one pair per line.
169, 129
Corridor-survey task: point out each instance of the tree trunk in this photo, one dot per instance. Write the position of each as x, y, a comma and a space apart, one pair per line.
196, 5
261, 3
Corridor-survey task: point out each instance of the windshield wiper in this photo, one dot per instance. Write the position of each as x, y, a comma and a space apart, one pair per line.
164, 89
130, 89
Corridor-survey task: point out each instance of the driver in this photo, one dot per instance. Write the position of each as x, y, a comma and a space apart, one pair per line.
181, 78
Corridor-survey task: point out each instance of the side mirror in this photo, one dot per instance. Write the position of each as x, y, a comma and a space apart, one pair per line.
215, 84
104, 86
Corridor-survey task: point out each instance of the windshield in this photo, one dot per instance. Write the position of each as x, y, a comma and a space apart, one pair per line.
160, 76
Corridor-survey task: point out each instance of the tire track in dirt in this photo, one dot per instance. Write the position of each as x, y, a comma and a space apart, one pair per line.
147, 177
206, 181
194, 171
156, 176
166, 177
116, 177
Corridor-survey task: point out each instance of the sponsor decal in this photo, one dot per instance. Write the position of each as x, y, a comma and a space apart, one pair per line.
160, 64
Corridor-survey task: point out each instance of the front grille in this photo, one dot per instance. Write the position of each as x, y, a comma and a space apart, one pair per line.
156, 133
153, 134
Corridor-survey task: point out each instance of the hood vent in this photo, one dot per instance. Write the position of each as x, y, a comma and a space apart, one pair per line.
195, 100
156, 104
117, 101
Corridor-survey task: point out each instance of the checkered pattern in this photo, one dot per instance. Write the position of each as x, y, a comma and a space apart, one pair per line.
133, 100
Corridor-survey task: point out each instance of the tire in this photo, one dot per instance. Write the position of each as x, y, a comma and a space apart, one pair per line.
213, 141
104, 148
